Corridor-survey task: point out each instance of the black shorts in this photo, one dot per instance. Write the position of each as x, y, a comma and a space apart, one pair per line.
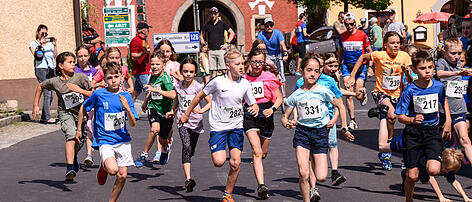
313, 139
301, 49
265, 126
165, 125
421, 140
295, 49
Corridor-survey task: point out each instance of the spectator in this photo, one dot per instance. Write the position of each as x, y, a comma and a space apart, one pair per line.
365, 27
395, 25
301, 34
409, 37
339, 25
44, 51
90, 38
376, 33
140, 50
467, 38
215, 29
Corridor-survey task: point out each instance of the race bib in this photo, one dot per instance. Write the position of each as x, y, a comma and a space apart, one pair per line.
229, 114
72, 99
184, 101
154, 95
426, 104
455, 89
258, 89
466, 86
309, 109
114, 121
391, 82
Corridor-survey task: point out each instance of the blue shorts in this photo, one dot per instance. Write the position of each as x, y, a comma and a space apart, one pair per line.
455, 118
332, 137
234, 138
346, 71
140, 81
314, 139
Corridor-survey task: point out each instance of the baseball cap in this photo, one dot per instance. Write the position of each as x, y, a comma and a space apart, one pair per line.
391, 11
363, 19
349, 16
267, 20
142, 25
214, 9
373, 19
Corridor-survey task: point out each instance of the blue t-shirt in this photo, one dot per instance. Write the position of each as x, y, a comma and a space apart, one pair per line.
273, 43
466, 97
299, 32
415, 100
464, 43
312, 106
109, 126
328, 82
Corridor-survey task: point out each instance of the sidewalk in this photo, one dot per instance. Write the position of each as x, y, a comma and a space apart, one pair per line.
17, 132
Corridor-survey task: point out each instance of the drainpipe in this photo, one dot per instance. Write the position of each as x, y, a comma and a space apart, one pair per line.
403, 16
77, 23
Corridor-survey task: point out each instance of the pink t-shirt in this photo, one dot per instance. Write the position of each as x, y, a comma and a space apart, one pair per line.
185, 96
172, 67
99, 76
264, 86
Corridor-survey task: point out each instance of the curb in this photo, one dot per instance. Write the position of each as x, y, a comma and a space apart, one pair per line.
13, 119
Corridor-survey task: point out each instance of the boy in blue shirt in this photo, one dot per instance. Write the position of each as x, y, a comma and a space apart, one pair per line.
113, 107
311, 135
418, 109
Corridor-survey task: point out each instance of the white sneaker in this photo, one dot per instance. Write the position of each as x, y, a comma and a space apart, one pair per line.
314, 195
352, 125
88, 161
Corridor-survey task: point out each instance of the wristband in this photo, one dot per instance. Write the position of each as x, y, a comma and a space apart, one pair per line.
274, 109
345, 129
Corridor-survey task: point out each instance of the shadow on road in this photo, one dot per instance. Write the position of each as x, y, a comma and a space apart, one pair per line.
61, 185
140, 176
175, 191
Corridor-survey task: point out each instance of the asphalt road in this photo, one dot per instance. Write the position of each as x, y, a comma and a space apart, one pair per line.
33, 170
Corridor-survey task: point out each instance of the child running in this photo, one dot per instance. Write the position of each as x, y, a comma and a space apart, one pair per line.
190, 131
229, 91
389, 67
113, 54
417, 108
311, 102
83, 66
70, 89
259, 129
449, 72
158, 103
112, 107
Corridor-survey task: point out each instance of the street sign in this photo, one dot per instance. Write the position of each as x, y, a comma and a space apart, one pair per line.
115, 32
116, 18
116, 10
117, 25
115, 41
183, 42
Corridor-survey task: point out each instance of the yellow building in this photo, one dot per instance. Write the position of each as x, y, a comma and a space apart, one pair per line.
411, 9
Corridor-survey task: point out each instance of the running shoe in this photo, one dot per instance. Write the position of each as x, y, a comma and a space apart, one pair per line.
364, 99
88, 161
263, 191
70, 174
352, 125
189, 185
101, 175
164, 157
314, 195
423, 175
388, 165
227, 198
374, 112
157, 157
386, 158
337, 179
140, 161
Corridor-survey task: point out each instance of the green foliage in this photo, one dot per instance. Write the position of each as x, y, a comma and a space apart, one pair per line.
88, 10
325, 4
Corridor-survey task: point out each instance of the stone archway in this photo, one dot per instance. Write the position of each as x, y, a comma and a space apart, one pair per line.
230, 5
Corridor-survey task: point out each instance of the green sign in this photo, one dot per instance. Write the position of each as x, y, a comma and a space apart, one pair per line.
119, 10
116, 18
124, 40
115, 32
117, 25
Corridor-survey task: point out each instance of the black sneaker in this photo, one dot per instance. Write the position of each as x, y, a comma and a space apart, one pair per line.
189, 185
337, 179
374, 112
70, 174
314, 195
263, 191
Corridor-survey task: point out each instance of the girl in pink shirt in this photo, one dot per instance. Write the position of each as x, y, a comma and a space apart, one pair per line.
171, 66
265, 86
113, 54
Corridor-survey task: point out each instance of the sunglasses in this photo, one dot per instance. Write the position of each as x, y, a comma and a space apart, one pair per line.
349, 24
257, 62
269, 25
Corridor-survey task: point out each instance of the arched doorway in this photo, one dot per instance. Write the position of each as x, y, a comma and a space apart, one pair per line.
443, 6
229, 12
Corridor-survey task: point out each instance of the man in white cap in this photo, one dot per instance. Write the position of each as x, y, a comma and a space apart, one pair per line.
216, 41
365, 27
353, 43
275, 44
376, 33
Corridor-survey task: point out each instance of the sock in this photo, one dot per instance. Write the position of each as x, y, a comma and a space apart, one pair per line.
69, 166
226, 193
353, 119
334, 172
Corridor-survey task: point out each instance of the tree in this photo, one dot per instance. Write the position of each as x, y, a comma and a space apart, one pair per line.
316, 9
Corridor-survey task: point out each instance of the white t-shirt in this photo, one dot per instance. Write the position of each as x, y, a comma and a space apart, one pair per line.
228, 96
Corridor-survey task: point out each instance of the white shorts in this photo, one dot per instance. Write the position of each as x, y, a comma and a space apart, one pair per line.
120, 152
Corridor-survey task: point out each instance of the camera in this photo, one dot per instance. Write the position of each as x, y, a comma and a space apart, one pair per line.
50, 39
39, 53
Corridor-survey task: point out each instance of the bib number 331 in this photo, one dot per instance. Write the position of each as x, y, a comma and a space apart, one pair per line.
309, 109
426, 104
114, 121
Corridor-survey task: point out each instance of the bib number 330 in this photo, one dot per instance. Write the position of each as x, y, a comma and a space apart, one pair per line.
114, 121
426, 104
309, 109
257, 89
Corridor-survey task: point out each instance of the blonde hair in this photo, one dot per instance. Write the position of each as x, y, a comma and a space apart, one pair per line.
232, 54
452, 159
452, 42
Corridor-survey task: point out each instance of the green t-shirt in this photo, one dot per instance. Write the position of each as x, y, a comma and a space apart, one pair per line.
376, 30
158, 102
